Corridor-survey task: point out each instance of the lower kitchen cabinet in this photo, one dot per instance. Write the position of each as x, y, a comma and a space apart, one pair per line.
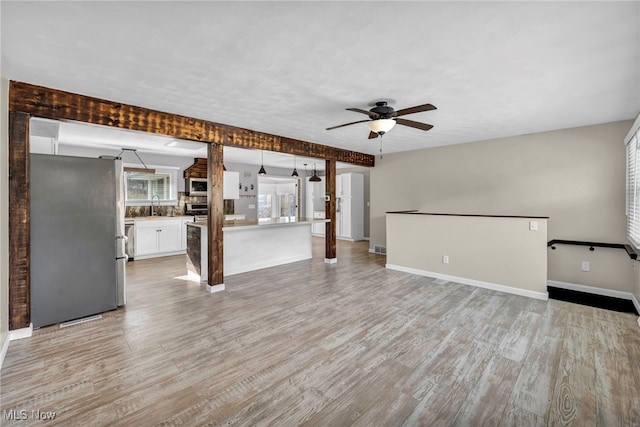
158, 238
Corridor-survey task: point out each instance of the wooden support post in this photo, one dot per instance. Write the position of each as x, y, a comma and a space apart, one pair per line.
19, 226
215, 175
330, 212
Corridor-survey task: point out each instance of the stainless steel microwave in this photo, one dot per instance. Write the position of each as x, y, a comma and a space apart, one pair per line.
196, 186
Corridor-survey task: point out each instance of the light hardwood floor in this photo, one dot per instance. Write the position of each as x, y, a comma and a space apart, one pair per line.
328, 345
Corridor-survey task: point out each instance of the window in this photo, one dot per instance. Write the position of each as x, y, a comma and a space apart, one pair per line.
141, 187
633, 183
277, 198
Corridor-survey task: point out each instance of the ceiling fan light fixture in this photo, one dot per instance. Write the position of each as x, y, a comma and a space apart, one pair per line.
381, 125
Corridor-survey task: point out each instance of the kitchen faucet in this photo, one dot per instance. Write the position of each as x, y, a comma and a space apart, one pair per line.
155, 196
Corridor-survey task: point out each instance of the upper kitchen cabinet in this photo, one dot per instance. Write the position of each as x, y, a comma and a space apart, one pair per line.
347, 183
231, 185
350, 206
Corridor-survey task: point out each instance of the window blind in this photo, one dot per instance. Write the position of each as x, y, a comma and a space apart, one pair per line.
633, 185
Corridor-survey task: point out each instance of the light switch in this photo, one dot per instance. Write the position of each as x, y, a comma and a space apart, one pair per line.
586, 266
533, 225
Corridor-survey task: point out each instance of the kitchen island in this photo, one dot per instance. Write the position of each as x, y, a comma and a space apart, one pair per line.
250, 245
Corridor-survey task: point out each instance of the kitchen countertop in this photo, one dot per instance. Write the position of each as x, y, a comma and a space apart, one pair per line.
253, 223
150, 218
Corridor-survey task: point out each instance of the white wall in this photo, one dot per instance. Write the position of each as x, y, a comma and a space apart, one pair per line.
574, 176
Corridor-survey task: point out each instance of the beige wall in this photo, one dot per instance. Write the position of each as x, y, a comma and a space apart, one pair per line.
574, 176
496, 251
4, 211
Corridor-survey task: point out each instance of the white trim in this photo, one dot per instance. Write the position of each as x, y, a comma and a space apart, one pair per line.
635, 127
158, 255
18, 334
637, 304
372, 251
5, 347
591, 290
330, 260
265, 264
215, 288
544, 296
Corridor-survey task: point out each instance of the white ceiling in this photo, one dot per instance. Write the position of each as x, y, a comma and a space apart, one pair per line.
493, 69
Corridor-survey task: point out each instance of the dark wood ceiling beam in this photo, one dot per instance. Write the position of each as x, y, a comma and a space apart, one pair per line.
39, 101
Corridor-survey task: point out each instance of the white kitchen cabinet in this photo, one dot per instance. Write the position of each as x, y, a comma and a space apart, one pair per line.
343, 184
158, 238
350, 206
231, 185
315, 204
344, 224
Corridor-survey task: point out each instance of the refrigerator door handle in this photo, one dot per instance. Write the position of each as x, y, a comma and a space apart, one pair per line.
125, 238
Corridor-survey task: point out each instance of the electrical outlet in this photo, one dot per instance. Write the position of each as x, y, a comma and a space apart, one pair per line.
445, 259
586, 266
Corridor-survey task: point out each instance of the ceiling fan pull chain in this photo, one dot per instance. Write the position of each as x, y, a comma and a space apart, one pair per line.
380, 145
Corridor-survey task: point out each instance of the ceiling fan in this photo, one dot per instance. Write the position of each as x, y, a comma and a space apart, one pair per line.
383, 117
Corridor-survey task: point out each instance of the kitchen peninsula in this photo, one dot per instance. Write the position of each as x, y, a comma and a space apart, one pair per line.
250, 245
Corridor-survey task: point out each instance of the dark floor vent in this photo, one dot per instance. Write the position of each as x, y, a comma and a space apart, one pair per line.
380, 249
592, 300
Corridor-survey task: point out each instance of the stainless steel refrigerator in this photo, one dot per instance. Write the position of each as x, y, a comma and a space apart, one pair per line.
78, 257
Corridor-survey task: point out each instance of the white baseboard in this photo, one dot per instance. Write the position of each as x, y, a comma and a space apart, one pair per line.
18, 334
141, 257
266, 264
637, 304
330, 260
215, 288
471, 282
4, 348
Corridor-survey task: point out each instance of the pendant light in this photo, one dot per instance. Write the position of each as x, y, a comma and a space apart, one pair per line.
146, 169
262, 171
295, 171
315, 177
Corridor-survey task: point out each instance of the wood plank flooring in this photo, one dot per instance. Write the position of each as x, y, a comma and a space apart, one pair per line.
321, 344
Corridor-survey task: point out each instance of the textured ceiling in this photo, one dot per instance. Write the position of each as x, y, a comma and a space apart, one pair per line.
493, 69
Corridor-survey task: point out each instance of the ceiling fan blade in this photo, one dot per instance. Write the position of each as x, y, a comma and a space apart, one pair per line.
368, 113
411, 123
347, 124
372, 135
416, 109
